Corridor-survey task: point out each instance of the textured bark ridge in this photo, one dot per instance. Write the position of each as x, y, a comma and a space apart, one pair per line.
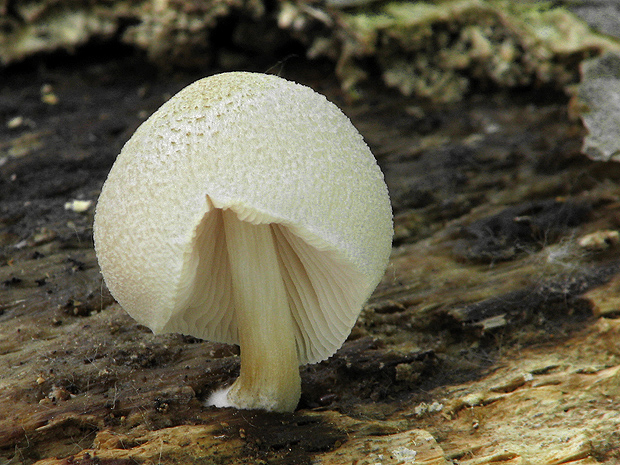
437, 50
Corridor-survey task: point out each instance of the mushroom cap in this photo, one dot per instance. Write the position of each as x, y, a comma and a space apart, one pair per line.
272, 151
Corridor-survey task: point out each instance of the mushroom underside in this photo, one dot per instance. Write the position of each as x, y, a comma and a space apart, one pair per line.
323, 292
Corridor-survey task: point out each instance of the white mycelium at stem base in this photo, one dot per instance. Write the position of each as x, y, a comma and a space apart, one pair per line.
247, 210
269, 377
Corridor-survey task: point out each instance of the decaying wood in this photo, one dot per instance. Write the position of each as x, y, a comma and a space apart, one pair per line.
493, 337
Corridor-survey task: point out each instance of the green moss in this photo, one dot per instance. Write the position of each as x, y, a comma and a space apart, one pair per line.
438, 49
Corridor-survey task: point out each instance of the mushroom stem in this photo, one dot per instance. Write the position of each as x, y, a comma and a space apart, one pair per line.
269, 377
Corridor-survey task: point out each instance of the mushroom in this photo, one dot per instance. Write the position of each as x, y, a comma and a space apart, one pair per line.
247, 210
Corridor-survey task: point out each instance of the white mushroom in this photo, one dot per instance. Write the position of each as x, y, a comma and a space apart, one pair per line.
247, 210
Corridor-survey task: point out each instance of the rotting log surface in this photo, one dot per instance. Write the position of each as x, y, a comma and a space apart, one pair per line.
492, 338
